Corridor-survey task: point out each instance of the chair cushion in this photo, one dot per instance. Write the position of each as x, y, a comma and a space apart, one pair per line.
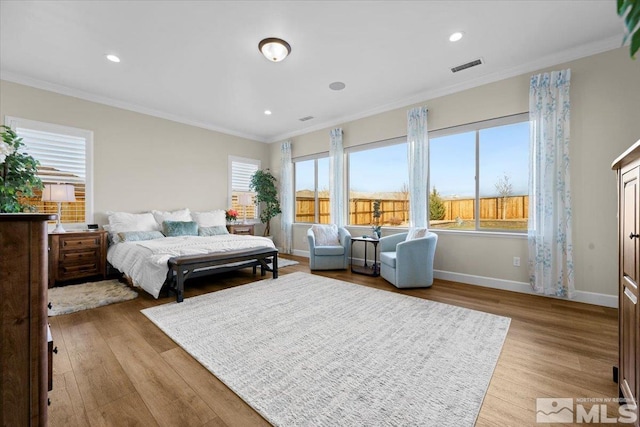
388, 258
417, 233
329, 250
326, 235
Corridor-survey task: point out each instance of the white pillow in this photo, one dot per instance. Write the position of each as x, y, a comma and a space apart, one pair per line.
123, 221
416, 233
326, 235
210, 218
179, 215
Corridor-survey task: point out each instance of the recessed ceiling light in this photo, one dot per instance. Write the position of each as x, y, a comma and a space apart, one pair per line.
455, 36
113, 58
337, 86
274, 49
267, 112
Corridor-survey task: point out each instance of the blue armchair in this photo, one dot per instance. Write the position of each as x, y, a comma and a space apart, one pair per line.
408, 263
333, 257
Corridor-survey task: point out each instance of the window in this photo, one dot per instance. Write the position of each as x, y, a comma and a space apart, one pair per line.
65, 156
311, 177
379, 171
497, 153
240, 172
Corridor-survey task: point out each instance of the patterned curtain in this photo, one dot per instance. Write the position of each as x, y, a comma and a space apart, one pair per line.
418, 146
286, 196
550, 246
336, 179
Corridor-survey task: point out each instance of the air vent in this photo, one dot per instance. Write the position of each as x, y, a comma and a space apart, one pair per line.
304, 119
467, 65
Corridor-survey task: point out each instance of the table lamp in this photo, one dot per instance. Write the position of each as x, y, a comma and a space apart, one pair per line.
245, 200
58, 193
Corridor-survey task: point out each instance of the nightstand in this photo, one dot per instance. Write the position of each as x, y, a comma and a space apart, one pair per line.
246, 229
76, 255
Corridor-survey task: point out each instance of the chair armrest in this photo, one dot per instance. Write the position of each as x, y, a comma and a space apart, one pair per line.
344, 237
407, 250
388, 243
312, 240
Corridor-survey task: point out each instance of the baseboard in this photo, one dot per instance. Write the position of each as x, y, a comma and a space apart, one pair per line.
297, 252
524, 288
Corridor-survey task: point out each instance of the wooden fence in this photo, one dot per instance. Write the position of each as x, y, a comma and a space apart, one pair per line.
396, 212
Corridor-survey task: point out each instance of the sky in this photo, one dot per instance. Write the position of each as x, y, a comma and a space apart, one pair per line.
504, 150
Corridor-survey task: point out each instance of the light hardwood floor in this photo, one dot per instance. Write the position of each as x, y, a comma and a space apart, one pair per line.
115, 368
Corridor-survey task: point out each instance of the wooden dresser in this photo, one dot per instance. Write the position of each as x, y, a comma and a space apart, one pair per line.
76, 255
628, 170
23, 298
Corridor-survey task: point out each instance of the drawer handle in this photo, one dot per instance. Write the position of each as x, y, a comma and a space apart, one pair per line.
55, 350
634, 236
50, 305
48, 401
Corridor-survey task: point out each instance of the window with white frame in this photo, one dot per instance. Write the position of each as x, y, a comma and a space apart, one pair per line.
240, 172
311, 183
379, 172
478, 175
66, 157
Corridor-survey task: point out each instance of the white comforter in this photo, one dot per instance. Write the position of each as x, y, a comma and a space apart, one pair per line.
145, 262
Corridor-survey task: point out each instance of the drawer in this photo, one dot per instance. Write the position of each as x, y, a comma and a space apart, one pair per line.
70, 243
242, 230
79, 270
79, 257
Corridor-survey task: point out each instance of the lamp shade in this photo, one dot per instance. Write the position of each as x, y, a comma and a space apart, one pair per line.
58, 193
245, 199
274, 49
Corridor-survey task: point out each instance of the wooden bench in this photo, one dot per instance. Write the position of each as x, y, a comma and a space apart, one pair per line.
183, 267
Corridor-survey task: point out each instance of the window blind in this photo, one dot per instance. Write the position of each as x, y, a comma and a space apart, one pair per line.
241, 173
63, 160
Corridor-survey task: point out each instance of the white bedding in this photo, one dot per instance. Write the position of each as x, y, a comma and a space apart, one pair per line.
145, 262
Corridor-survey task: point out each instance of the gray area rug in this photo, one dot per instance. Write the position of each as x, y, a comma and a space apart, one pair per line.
305, 350
72, 298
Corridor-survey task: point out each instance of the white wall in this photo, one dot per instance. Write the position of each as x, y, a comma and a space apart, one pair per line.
140, 162
605, 120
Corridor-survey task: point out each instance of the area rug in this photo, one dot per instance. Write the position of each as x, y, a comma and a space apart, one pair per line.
283, 262
305, 350
72, 298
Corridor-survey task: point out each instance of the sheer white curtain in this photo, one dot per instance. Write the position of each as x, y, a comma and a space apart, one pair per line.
336, 179
286, 195
550, 247
418, 151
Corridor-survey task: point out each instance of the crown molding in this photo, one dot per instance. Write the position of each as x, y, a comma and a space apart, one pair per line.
540, 63
76, 93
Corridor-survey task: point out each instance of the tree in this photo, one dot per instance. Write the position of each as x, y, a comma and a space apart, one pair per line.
264, 184
504, 189
437, 209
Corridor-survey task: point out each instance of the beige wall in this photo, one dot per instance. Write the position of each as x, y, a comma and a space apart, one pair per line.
605, 120
140, 162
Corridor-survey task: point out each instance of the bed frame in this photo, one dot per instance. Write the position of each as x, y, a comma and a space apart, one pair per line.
184, 267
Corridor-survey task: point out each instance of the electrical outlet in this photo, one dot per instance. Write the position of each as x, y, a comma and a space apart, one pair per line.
516, 261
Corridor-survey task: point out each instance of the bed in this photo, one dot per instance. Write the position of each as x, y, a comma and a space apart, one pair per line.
187, 246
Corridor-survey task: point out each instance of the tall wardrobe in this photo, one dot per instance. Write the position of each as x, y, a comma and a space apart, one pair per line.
628, 176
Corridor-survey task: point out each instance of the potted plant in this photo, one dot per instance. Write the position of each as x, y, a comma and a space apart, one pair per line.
18, 174
264, 184
376, 228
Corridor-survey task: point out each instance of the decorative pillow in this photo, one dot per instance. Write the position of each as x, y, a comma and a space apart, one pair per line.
216, 230
134, 236
179, 215
416, 233
210, 218
180, 228
326, 235
124, 221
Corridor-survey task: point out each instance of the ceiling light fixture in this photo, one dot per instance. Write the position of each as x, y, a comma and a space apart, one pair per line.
267, 112
113, 58
337, 86
455, 36
274, 49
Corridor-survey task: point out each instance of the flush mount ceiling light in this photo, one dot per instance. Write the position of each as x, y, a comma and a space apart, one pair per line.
274, 49
455, 36
337, 86
113, 58
267, 112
